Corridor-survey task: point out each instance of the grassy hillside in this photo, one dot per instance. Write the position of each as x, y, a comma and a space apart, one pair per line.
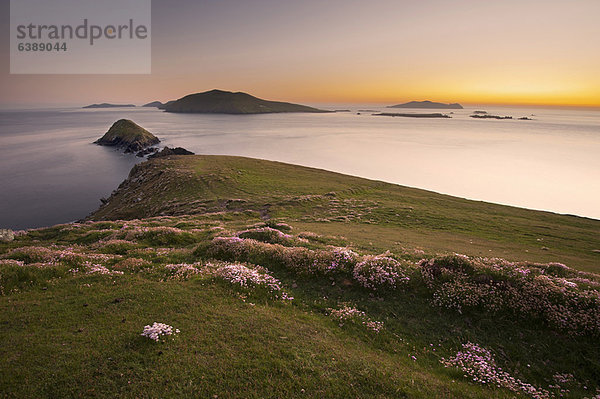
226, 102
272, 275
373, 215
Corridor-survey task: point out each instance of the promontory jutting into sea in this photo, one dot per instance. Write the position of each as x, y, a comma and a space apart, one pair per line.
497, 154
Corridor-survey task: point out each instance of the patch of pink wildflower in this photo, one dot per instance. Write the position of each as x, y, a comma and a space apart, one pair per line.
267, 234
550, 292
479, 364
246, 277
343, 259
54, 255
348, 314
95, 268
132, 264
11, 262
376, 272
158, 330
183, 271
157, 235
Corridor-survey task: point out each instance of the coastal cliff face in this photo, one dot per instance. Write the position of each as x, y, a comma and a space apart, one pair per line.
225, 102
128, 135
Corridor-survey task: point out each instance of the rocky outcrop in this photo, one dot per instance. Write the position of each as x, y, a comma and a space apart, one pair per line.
170, 151
128, 135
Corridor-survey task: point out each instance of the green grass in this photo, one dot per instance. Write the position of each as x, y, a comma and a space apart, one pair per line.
68, 334
77, 335
74, 341
373, 215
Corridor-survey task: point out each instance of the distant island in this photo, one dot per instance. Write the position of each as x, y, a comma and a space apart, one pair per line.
488, 116
128, 135
226, 102
107, 105
427, 104
153, 104
165, 105
435, 115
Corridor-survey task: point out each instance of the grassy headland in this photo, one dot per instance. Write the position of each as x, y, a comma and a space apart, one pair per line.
216, 246
374, 215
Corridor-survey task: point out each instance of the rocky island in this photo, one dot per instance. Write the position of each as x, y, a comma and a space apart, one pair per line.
226, 102
128, 135
427, 104
107, 105
434, 115
153, 104
488, 116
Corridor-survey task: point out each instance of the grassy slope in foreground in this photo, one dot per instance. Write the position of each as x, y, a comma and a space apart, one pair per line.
373, 215
75, 297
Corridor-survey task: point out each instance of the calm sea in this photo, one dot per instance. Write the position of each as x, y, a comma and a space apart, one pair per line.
51, 173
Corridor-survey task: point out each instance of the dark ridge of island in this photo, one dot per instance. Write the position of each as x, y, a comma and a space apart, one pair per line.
107, 105
226, 102
480, 112
434, 115
427, 104
128, 135
153, 104
170, 151
165, 105
487, 116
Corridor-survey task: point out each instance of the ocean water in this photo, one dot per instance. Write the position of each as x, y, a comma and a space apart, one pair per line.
50, 172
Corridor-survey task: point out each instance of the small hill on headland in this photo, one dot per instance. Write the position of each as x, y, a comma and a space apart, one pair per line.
427, 104
226, 102
128, 135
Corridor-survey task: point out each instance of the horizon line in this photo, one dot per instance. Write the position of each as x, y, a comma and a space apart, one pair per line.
36, 105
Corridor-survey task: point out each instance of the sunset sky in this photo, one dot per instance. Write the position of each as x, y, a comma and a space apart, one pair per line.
383, 51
